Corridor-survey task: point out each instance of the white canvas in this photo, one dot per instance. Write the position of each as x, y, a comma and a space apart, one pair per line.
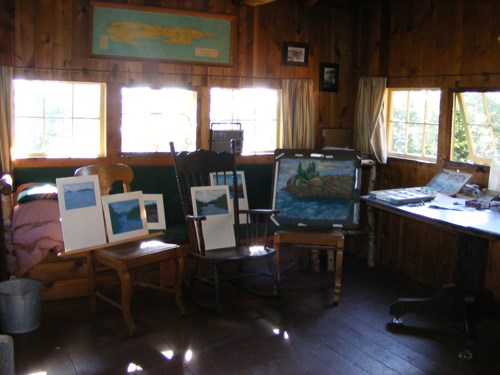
81, 212
125, 216
213, 202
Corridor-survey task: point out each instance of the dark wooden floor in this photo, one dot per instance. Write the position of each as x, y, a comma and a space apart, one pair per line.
294, 335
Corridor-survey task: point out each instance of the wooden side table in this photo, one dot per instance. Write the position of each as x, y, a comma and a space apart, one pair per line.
125, 258
332, 241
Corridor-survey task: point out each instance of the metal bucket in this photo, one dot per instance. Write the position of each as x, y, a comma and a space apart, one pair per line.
19, 305
6, 355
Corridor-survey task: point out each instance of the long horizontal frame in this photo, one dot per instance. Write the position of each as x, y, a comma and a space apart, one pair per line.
151, 33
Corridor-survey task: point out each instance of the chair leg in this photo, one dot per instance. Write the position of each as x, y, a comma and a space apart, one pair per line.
178, 283
275, 276
126, 291
91, 267
216, 288
339, 251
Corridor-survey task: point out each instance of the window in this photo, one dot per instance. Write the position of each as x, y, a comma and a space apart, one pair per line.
151, 118
255, 109
58, 119
413, 123
476, 127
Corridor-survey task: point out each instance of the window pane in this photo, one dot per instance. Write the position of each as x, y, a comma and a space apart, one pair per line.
151, 118
476, 127
255, 109
414, 123
46, 123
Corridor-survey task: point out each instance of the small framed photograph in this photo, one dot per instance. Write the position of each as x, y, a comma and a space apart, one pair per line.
125, 216
295, 53
329, 77
155, 212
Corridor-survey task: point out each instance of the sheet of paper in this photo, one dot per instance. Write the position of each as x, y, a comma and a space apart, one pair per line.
444, 201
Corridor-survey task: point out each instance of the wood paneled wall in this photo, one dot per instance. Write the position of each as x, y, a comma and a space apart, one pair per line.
415, 43
47, 39
426, 43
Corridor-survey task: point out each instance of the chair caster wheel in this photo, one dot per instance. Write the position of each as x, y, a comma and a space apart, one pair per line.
397, 320
465, 354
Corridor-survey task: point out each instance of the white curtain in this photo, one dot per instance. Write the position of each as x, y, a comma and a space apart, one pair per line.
297, 113
5, 118
370, 122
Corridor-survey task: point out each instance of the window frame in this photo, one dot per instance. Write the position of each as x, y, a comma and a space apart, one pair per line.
102, 122
278, 116
155, 153
476, 160
389, 127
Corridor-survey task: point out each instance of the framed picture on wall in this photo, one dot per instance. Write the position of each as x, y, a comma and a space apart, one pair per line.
329, 77
295, 53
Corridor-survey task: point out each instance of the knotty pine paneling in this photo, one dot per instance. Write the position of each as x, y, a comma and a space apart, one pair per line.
50, 41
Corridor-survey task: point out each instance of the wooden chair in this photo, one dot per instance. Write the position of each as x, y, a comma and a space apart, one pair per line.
194, 169
330, 240
126, 257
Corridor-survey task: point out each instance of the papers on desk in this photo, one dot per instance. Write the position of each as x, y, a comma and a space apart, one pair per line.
403, 196
445, 202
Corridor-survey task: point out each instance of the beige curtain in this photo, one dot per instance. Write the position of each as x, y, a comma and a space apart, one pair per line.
5, 118
370, 122
297, 113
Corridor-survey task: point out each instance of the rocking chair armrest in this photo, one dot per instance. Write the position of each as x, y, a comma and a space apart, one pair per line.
259, 211
196, 217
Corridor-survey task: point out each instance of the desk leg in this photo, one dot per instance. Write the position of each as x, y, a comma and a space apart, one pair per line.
458, 297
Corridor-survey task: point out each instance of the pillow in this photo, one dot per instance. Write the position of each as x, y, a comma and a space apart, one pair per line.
36, 190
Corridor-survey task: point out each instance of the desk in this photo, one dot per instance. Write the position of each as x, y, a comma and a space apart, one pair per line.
479, 232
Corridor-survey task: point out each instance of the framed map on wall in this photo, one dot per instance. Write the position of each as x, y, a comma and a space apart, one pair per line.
143, 32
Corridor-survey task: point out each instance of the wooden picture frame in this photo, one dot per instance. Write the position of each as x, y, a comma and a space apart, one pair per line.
81, 212
295, 54
144, 32
125, 216
329, 77
155, 211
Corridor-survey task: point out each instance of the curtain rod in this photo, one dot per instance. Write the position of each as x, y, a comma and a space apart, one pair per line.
86, 71
484, 74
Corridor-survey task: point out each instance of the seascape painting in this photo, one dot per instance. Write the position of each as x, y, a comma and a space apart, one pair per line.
81, 212
155, 213
211, 201
125, 216
315, 191
218, 180
79, 195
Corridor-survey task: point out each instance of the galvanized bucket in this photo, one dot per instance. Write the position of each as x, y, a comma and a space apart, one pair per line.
19, 305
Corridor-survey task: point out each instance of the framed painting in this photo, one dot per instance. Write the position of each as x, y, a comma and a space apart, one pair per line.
155, 212
125, 216
295, 53
144, 32
329, 77
317, 188
81, 212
